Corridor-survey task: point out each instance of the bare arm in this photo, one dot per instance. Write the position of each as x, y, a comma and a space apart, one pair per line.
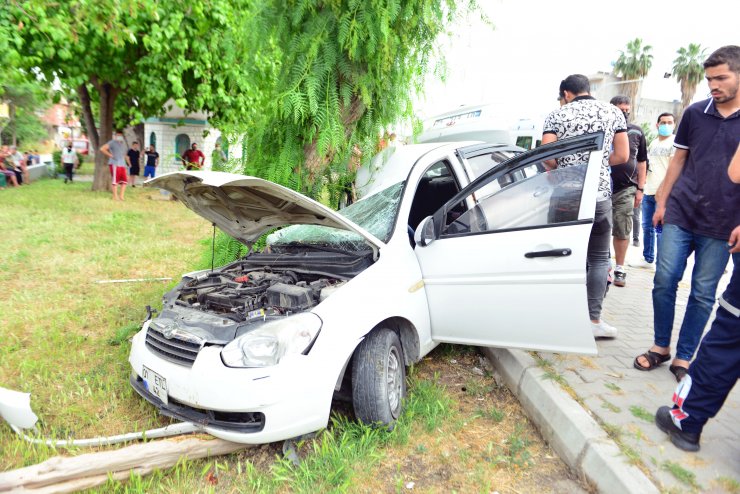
641, 177
105, 149
675, 167
546, 139
621, 152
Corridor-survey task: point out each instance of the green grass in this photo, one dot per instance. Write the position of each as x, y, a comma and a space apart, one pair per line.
641, 413
65, 337
610, 406
612, 386
684, 476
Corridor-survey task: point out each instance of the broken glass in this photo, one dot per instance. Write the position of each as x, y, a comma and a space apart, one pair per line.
376, 214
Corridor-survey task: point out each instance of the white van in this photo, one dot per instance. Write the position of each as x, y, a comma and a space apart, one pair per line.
481, 123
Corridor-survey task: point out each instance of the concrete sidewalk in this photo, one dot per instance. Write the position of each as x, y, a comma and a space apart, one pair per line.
610, 438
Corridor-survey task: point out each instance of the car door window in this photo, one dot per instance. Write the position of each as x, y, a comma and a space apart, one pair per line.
435, 188
527, 195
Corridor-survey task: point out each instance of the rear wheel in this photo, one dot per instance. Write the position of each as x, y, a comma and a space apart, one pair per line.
379, 378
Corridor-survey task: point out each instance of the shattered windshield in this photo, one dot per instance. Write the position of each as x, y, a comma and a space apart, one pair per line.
376, 214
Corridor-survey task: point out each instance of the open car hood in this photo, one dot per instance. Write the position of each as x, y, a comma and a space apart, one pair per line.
246, 207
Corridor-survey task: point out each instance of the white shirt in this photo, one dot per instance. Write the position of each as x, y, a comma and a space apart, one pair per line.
69, 156
659, 155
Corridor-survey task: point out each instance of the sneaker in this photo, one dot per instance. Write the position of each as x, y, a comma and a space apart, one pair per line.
620, 278
636, 242
642, 263
687, 441
603, 330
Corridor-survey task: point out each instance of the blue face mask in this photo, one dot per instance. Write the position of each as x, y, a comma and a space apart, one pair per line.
665, 130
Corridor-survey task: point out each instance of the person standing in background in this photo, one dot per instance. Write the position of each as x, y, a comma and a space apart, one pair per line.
152, 161
133, 160
115, 150
628, 182
69, 161
660, 152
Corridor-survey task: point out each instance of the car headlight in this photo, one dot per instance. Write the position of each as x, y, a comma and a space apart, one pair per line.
265, 346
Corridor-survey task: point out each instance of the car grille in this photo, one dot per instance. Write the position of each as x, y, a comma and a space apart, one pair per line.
173, 349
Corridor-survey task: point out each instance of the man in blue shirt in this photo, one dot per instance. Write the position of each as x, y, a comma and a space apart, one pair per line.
699, 207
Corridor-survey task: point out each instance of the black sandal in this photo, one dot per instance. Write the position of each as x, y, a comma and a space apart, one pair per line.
678, 371
654, 359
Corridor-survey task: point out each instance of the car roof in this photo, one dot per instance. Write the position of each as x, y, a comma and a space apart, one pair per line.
393, 165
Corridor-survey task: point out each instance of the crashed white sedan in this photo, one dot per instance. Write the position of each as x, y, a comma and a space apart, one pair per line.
339, 303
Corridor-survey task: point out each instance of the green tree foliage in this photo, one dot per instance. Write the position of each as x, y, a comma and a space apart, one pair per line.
129, 57
332, 75
634, 64
342, 71
24, 96
688, 69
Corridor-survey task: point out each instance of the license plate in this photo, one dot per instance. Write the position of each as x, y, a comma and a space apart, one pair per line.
155, 384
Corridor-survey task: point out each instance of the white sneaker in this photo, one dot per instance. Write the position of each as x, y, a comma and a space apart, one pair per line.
642, 263
603, 330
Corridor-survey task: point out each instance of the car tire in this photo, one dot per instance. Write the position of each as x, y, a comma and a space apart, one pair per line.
379, 379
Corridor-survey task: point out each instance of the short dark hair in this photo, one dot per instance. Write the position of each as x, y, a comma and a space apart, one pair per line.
729, 54
576, 84
666, 114
135, 142
620, 99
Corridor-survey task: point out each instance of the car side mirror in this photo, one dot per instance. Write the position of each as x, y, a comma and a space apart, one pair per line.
424, 234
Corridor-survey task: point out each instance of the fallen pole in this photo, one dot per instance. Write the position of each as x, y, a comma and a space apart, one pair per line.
70, 474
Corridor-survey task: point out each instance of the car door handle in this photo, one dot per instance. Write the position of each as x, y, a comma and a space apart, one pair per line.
548, 253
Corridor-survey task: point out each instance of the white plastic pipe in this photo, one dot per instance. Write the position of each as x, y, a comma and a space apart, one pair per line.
15, 408
170, 430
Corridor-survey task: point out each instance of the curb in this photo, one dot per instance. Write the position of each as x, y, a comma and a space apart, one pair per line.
574, 435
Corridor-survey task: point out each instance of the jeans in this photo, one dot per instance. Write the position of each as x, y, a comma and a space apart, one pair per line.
597, 258
636, 223
710, 259
649, 234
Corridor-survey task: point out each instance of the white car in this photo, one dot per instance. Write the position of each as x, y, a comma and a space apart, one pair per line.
341, 302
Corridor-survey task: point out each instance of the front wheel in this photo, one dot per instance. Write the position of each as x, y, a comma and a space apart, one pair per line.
379, 378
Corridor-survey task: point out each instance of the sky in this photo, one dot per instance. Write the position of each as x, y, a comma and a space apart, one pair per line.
518, 63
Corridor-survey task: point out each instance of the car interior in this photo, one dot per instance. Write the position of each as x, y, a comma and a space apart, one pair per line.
435, 188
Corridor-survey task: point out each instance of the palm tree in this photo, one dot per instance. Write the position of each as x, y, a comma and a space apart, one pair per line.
633, 64
688, 71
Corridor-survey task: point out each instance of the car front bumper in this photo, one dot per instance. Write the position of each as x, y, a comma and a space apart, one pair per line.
252, 406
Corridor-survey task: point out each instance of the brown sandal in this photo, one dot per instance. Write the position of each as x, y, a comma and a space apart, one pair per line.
678, 371
654, 359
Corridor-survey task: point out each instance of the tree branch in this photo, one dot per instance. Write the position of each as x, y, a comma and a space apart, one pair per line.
92, 130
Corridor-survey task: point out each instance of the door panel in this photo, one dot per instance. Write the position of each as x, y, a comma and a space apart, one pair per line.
510, 271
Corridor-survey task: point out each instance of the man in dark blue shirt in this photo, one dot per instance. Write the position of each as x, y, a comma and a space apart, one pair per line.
698, 206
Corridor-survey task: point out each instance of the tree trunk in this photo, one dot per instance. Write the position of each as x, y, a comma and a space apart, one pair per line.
71, 474
107, 95
139, 133
315, 163
687, 94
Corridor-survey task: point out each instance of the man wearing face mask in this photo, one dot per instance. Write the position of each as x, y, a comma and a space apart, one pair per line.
115, 150
69, 160
628, 182
660, 152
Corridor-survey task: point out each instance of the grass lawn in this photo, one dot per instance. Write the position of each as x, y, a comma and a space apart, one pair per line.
65, 340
